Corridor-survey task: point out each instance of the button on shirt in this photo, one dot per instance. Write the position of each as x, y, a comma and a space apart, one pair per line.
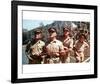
37, 48
68, 42
54, 46
80, 46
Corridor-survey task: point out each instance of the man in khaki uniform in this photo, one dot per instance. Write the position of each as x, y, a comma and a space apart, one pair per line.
68, 44
34, 48
79, 47
54, 47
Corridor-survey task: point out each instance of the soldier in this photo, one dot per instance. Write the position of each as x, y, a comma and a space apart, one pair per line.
86, 32
34, 48
79, 47
54, 47
68, 44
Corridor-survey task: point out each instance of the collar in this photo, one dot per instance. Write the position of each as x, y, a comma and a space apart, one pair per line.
38, 41
54, 41
67, 38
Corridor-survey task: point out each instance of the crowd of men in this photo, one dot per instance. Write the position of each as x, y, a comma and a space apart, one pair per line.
56, 50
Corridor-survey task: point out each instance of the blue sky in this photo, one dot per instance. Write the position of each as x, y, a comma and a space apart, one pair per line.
31, 24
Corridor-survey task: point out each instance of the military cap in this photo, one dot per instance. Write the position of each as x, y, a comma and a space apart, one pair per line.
65, 29
37, 31
51, 30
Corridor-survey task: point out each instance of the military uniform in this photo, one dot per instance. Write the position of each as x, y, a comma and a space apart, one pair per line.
79, 50
34, 49
54, 48
68, 44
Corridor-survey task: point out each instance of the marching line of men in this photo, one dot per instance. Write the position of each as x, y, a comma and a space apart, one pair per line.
55, 51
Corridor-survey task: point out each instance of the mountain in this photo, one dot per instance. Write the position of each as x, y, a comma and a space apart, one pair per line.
59, 27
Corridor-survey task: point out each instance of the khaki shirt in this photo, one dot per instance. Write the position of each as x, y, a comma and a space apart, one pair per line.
53, 47
37, 48
80, 47
68, 42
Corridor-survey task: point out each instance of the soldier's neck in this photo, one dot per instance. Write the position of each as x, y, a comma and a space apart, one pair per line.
36, 40
65, 37
53, 39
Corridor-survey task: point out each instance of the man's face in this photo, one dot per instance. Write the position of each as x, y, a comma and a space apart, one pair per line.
81, 39
52, 34
66, 33
38, 36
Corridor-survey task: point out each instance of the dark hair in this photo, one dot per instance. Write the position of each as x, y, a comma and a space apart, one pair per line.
37, 32
52, 29
82, 35
66, 29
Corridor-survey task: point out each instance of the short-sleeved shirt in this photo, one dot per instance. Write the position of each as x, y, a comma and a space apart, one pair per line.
54, 46
68, 42
37, 48
80, 47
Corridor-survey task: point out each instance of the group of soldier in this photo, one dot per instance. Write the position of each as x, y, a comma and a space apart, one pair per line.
55, 50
